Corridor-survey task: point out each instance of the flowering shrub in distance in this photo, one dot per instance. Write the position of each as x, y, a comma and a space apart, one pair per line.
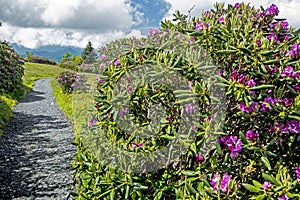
257, 155
11, 69
67, 80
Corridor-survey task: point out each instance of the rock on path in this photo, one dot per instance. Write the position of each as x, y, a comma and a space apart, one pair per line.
36, 149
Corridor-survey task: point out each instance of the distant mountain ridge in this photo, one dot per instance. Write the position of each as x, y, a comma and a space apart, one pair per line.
54, 52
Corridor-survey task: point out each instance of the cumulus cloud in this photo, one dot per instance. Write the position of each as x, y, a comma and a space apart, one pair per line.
101, 15
32, 37
288, 9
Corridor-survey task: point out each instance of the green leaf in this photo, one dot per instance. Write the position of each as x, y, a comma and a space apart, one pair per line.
127, 192
218, 147
267, 53
270, 178
227, 51
271, 61
257, 184
197, 33
260, 197
294, 117
191, 189
112, 194
189, 173
291, 89
251, 188
245, 50
266, 162
262, 87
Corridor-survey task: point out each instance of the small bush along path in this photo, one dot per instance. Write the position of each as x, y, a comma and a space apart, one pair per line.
36, 149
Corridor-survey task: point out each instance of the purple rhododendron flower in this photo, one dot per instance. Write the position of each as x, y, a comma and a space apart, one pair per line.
102, 65
192, 39
233, 144
117, 63
298, 174
214, 181
190, 84
249, 109
221, 19
234, 75
272, 10
189, 108
199, 158
153, 31
6, 60
295, 50
73, 85
128, 79
100, 80
284, 24
251, 83
129, 90
208, 118
250, 135
92, 122
223, 183
292, 127
266, 185
237, 5
199, 26
134, 145
194, 128
103, 57
283, 197
288, 71
241, 79
269, 100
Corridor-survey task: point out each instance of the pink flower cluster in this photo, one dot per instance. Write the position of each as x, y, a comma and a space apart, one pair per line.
233, 144
223, 183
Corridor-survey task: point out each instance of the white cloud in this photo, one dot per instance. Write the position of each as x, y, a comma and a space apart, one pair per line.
288, 9
101, 15
32, 37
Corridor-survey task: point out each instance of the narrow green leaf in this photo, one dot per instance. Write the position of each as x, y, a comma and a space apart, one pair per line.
191, 189
266, 162
251, 188
189, 173
262, 87
226, 51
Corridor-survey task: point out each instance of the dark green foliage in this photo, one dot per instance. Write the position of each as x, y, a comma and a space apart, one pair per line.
89, 55
11, 69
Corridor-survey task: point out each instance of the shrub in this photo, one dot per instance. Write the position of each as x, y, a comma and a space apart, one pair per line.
67, 80
40, 60
11, 69
69, 64
256, 145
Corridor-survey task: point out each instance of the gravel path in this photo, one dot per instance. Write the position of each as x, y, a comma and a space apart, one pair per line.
36, 149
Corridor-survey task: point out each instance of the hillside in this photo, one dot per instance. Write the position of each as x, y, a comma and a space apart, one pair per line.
54, 52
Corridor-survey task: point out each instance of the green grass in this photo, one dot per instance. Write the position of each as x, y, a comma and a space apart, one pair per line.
76, 106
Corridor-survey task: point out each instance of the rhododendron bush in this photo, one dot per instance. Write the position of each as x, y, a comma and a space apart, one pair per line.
11, 69
256, 152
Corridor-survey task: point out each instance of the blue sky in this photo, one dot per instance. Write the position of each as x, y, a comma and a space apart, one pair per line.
34, 23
